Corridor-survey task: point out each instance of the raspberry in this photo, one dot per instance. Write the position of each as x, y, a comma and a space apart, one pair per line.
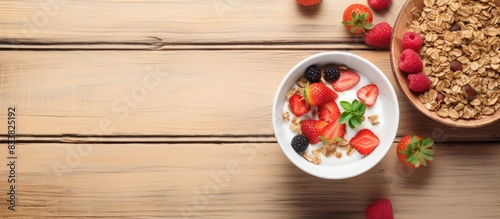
410, 62
419, 82
313, 74
412, 41
300, 143
332, 73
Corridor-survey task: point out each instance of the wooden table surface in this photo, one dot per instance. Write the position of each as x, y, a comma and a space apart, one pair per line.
162, 109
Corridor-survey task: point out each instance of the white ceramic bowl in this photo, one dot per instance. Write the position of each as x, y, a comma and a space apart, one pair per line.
386, 130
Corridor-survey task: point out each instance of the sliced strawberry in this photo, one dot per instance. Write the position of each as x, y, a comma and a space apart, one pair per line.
346, 81
312, 129
333, 130
329, 112
365, 142
368, 94
317, 94
298, 105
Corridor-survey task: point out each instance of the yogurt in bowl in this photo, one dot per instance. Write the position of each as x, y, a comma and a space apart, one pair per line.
345, 163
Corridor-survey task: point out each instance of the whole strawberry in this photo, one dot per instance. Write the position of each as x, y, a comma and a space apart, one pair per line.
410, 62
413, 151
419, 82
412, 40
379, 209
379, 36
317, 94
357, 18
308, 2
379, 4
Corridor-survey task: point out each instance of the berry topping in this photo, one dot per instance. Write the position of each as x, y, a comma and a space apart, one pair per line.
332, 131
410, 62
368, 94
346, 81
412, 40
332, 73
379, 36
365, 142
298, 105
419, 82
317, 94
312, 129
329, 112
300, 143
313, 74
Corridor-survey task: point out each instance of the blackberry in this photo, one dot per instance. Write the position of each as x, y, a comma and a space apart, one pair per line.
313, 74
332, 73
300, 143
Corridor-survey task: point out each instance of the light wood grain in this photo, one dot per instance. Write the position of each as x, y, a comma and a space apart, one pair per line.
186, 93
143, 180
178, 22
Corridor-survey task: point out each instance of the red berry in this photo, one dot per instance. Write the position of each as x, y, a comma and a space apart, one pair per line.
346, 81
308, 2
317, 94
419, 82
329, 112
365, 142
357, 18
312, 129
379, 4
379, 209
298, 105
412, 40
379, 36
410, 62
368, 94
332, 130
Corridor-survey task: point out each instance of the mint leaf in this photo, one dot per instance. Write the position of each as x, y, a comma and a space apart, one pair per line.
345, 105
352, 113
344, 117
356, 121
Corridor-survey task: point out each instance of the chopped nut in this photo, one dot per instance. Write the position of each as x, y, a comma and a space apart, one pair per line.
350, 151
291, 92
338, 155
302, 82
374, 119
316, 160
316, 151
286, 116
307, 157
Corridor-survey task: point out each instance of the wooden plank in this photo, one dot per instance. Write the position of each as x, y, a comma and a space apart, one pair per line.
177, 21
146, 181
186, 93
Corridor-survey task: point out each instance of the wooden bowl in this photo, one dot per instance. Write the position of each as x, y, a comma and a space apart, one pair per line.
399, 29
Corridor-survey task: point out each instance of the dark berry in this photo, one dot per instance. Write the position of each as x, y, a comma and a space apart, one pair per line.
332, 73
300, 143
313, 74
